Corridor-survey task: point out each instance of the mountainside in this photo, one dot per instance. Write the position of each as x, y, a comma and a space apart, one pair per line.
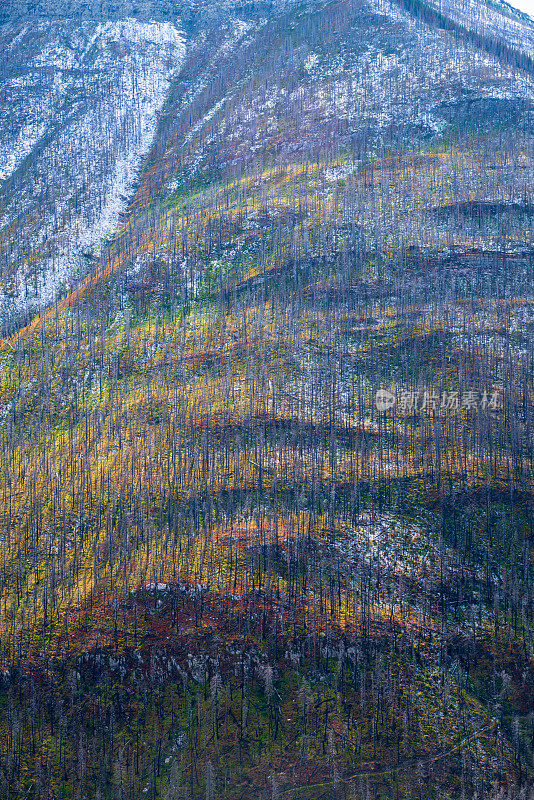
338, 84
266, 401
79, 109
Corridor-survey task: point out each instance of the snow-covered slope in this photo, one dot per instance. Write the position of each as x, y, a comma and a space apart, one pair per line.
391, 128
79, 103
78, 109
497, 20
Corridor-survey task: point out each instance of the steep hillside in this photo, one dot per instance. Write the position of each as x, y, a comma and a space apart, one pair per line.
78, 111
266, 471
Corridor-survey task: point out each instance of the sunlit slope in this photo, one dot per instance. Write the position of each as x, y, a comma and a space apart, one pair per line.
239, 452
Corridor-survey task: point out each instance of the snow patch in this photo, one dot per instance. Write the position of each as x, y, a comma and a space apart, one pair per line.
86, 101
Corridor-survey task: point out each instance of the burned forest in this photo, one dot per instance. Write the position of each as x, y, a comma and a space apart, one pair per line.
266, 400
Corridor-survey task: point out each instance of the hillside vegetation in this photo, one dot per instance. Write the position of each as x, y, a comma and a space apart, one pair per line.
224, 571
